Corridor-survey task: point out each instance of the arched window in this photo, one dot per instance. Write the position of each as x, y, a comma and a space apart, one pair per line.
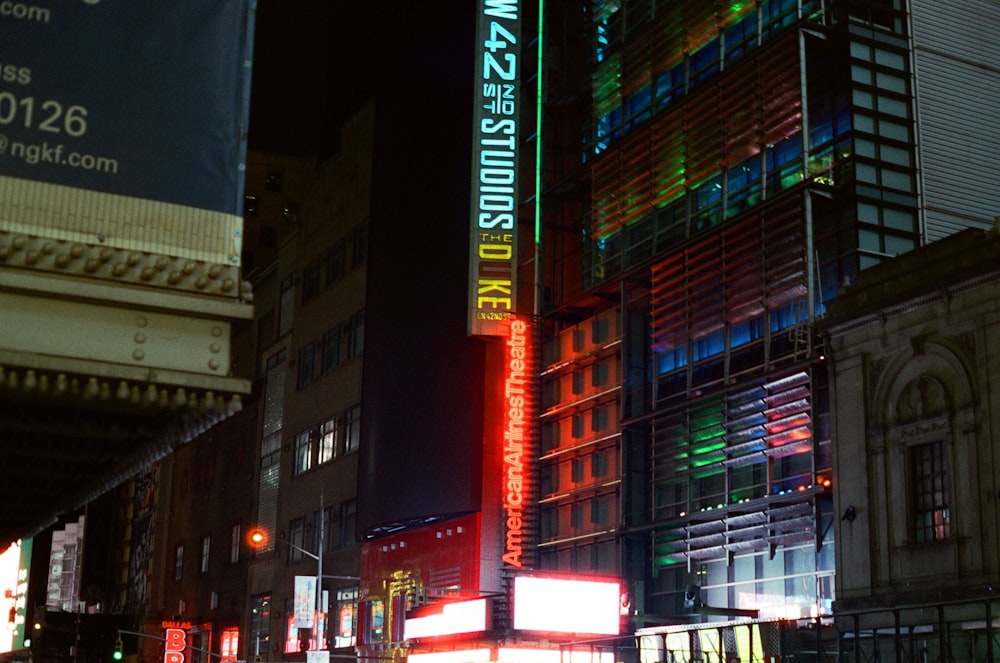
922, 402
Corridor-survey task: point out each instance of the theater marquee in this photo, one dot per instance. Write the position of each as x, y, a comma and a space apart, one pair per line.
493, 240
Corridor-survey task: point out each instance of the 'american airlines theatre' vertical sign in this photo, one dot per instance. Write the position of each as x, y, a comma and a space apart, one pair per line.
493, 242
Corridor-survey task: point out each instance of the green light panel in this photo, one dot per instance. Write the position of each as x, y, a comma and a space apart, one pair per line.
722, 122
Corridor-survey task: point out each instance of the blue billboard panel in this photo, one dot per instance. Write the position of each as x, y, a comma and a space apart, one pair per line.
143, 99
117, 112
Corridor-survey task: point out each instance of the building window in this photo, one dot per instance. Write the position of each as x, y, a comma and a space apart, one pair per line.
329, 528
599, 375
229, 642
356, 334
576, 470
292, 643
600, 509
260, 625
335, 262
234, 544
179, 562
250, 205
550, 523
577, 382
307, 365
303, 453
352, 432
310, 281
550, 437
286, 308
347, 608
376, 621
931, 515
270, 450
297, 539
550, 479
359, 245
599, 330
328, 439
330, 350
598, 419
348, 518
599, 464
206, 548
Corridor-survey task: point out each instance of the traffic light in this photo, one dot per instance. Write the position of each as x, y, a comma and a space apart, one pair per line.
117, 653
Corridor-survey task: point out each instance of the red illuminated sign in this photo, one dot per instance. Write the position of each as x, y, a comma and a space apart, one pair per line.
516, 421
175, 642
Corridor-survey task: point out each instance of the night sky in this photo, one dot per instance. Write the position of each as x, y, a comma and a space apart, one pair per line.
311, 67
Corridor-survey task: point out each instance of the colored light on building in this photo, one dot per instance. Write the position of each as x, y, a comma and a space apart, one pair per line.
448, 619
229, 644
567, 606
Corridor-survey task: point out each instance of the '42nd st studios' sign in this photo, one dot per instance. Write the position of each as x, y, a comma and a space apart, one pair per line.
493, 245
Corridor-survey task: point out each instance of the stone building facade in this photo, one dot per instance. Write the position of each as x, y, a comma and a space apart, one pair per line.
916, 401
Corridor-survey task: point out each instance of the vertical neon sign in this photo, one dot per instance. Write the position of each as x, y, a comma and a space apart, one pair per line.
493, 240
516, 440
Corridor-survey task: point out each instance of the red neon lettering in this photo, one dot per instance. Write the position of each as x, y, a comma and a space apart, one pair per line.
174, 642
513, 435
175, 639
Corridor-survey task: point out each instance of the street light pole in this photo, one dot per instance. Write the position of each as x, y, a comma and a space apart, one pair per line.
318, 631
258, 536
319, 580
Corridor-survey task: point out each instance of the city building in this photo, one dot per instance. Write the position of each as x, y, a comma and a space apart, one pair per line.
309, 349
226, 527
916, 413
742, 162
590, 300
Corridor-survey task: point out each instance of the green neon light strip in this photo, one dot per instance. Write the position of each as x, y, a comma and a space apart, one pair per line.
538, 127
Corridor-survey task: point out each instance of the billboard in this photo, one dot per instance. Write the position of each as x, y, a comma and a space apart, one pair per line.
123, 123
567, 605
452, 618
493, 236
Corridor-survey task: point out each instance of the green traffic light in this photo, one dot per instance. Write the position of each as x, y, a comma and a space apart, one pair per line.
117, 654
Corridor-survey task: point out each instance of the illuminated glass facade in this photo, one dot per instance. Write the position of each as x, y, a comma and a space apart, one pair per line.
743, 161
703, 110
